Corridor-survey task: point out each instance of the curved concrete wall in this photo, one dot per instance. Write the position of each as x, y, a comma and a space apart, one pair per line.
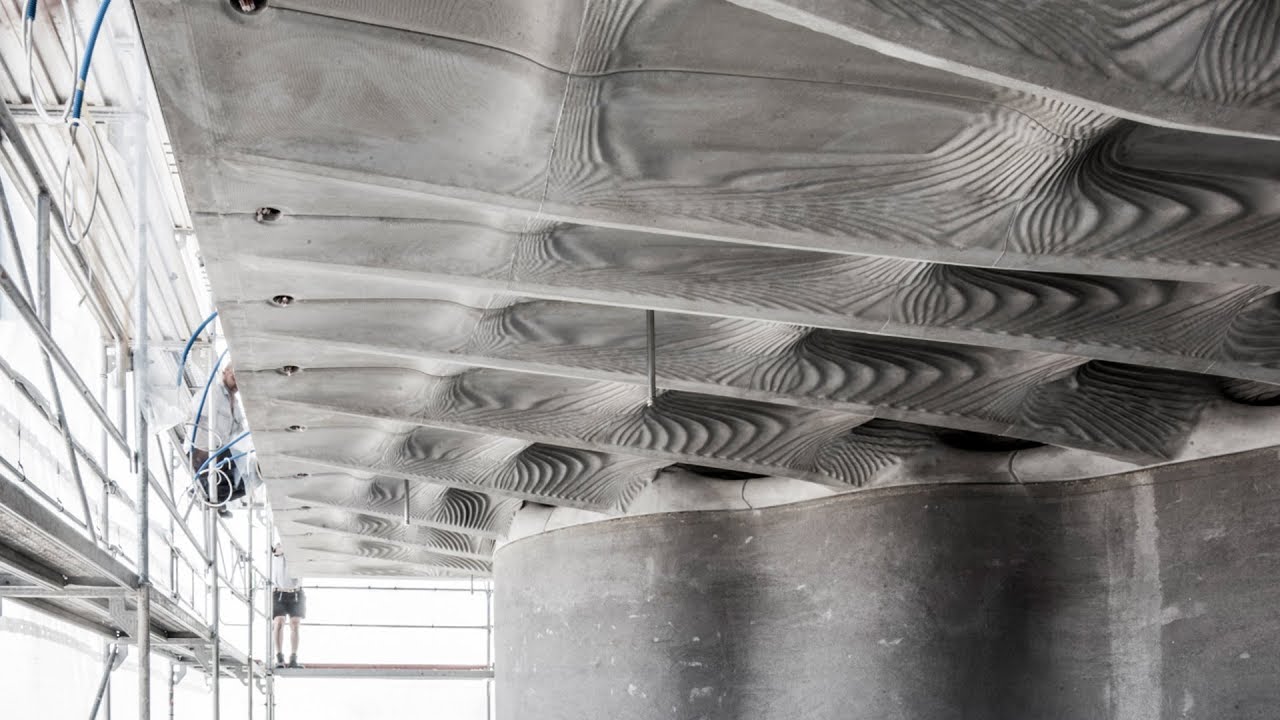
1146, 595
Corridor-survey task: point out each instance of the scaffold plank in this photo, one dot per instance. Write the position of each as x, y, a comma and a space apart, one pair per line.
388, 672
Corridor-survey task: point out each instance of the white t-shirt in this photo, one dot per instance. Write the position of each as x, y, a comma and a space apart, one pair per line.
280, 576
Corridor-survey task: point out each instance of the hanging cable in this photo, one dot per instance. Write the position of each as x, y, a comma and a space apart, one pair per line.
182, 365
28, 47
67, 190
77, 99
216, 473
221, 450
204, 396
74, 109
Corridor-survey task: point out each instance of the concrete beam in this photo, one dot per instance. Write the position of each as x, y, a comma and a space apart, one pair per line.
790, 374
297, 492
1096, 60
1189, 326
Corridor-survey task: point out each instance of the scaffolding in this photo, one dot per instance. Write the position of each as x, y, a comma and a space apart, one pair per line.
100, 522
157, 589
162, 593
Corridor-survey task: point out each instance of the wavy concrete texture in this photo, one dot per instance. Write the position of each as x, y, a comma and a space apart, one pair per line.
1209, 65
868, 263
1176, 325
1143, 596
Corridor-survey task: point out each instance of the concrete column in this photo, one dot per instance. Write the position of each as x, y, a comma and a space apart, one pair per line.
1133, 597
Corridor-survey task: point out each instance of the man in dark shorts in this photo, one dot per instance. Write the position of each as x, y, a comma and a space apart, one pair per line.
289, 602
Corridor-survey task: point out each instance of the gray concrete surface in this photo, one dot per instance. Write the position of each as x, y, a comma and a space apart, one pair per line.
863, 226
1133, 597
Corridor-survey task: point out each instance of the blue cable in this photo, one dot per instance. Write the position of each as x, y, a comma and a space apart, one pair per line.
83, 78
30, 12
192, 341
229, 460
213, 455
195, 431
233, 458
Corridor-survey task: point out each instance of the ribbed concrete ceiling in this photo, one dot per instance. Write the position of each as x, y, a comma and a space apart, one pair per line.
865, 226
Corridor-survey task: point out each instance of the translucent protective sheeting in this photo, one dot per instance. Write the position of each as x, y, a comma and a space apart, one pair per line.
191, 699
49, 669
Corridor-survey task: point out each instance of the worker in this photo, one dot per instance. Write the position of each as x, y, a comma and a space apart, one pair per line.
219, 424
288, 602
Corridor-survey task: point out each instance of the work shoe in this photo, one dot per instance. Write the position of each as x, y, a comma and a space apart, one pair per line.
223, 512
293, 662
279, 660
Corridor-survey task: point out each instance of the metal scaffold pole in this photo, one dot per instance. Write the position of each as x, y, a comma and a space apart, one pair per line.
215, 636
651, 348
108, 665
250, 595
105, 509
268, 600
141, 325
211, 522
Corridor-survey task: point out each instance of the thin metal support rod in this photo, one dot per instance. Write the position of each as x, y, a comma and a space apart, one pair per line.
107, 667
104, 459
141, 389
173, 549
653, 355
144, 652
106, 697
271, 696
43, 268
250, 583
215, 634
268, 590
407, 520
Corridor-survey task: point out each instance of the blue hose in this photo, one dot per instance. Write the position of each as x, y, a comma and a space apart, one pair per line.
192, 341
82, 78
30, 12
213, 455
195, 431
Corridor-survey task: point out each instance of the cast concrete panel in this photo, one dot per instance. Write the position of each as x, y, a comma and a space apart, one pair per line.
865, 228
1185, 63
1138, 596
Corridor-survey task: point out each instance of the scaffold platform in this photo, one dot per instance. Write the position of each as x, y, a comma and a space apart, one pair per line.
388, 672
47, 564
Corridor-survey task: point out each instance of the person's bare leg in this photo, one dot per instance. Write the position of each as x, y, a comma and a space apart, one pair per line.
293, 632
279, 623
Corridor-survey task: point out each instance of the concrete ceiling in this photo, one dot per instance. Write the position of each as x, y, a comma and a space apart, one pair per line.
869, 229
